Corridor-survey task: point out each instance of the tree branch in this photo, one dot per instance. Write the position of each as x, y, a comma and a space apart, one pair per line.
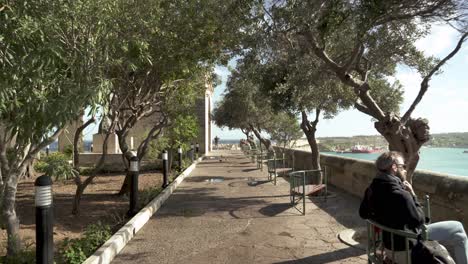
361, 88
317, 117
425, 81
364, 109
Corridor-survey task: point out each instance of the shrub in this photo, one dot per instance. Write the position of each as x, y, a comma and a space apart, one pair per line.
156, 147
75, 251
26, 255
68, 151
86, 171
56, 165
147, 195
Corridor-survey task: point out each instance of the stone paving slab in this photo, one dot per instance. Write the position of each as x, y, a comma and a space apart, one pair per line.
220, 215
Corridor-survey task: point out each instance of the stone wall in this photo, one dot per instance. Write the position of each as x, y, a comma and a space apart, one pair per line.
448, 193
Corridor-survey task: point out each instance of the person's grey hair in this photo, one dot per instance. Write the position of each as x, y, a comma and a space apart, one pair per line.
384, 162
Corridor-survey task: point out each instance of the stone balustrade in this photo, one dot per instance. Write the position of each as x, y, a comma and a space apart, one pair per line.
449, 193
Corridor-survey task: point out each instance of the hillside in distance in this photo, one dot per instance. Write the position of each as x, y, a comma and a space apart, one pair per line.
441, 140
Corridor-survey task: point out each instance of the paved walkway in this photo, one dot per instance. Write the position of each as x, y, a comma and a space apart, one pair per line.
215, 216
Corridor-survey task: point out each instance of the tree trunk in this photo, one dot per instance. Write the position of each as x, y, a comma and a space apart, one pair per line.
122, 135
266, 142
170, 158
76, 142
405, 138
309, 130
30, 171
77, 199
251, 143
81, 186
9, 214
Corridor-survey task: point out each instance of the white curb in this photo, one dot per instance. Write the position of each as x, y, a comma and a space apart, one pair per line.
107, 252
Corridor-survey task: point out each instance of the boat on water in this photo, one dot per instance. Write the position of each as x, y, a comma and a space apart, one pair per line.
466, 151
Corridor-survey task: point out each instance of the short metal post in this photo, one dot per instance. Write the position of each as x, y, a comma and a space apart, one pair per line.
133, 172
47, 150
165, 168
91, 147
44, 220
197, 149
191, 152
180, 157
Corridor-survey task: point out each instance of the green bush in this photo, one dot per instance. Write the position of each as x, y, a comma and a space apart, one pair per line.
40, 166
56, 165
75, 251
147, 195
86, 171
68, 151
26, 255
156, 147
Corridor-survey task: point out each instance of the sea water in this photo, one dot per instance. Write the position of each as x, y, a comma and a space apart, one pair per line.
444, 160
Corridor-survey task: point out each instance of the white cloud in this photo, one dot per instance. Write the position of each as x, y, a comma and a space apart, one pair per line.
439, 41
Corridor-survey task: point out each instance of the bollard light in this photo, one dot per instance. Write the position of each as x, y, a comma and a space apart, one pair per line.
165, 169
197, 148
44, 220
180, 157
133, 173
47, 150
91, 147
133, 164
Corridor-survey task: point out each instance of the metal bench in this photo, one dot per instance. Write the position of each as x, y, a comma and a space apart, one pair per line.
278, 167
252, 154
306, 182
375, 240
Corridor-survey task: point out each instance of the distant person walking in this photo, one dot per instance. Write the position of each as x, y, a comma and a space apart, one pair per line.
216, 142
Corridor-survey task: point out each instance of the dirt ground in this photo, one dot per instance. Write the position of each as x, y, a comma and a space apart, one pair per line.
100, 202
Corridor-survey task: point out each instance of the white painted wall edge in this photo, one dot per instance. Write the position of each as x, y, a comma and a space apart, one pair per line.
107, 252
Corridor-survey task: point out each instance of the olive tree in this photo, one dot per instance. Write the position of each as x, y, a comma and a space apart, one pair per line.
47, 77
380, 35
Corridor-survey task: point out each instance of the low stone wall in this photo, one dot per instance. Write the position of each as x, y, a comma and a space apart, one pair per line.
449, 194
114, 162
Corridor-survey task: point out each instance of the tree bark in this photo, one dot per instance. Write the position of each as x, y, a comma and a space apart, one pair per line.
405, 138
266, 142
9, 212
77, 199
122, 136
81, 186
309, 129
76, 140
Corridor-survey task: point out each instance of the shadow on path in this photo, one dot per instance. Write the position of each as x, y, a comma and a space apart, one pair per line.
327, 257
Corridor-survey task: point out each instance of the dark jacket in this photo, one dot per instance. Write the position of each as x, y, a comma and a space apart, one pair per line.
388, 203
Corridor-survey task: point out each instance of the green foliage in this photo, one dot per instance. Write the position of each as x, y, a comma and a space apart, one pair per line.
156, 147
40, 166
183, 131
26, 255
147, 195
68, 151
86, 171
75, 251
56, 165
186, 162
286, 130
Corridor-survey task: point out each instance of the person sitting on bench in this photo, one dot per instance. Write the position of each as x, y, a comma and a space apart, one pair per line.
391, 201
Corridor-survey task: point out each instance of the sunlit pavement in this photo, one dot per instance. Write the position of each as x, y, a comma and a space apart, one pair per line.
227, 212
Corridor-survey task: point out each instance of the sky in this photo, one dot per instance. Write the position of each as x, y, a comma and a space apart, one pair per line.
445, 104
